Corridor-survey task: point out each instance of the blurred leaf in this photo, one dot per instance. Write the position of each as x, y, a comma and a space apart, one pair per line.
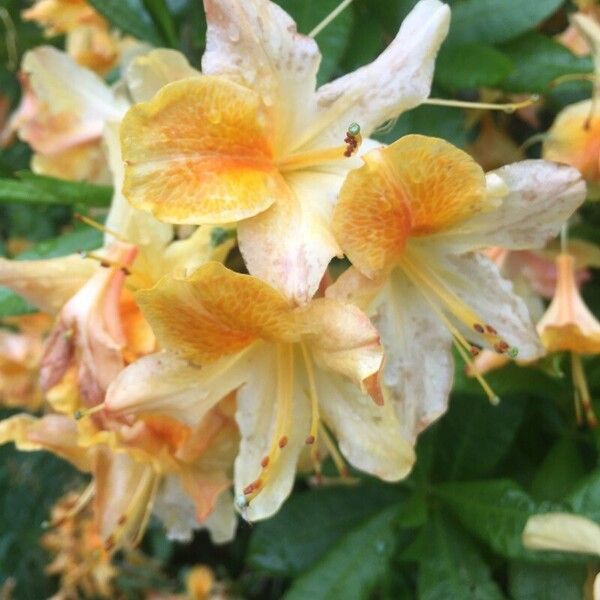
529, 581
85, 238
368, 30
436, 121
452, 566
332, 40
353, 565
495, 511
12, 304
474, 435
469, 66
538, 60
585, 499
311, 522
161, 15
562, 468
495, 21
130, 16
38, 189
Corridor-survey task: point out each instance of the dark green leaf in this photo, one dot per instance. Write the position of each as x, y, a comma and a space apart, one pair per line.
333, 40
12, 190
494, 511
68, 243
538, 61
310, 523
130, 16
496, 21
474, 435
585, 499
12, 304
159, 11
353, 565
529, 581
452, 566
469, 66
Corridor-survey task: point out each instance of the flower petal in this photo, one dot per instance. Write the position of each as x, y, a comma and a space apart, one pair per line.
563, 532
148, 73
415, 187
47, 284
290, 245
215, 312
255, 43
541, 196
399, 79
165, 384
258, 404
369, 436
200, 152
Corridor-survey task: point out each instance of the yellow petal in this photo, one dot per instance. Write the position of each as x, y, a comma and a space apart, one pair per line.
200, 152
215, 312
417, 186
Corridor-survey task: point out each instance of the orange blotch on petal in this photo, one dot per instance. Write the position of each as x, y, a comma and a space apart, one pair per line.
200, 152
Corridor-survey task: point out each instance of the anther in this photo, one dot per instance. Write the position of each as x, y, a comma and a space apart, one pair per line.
86, 412
352, 139
283, 441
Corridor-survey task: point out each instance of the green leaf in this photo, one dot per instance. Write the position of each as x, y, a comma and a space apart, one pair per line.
12, 304
161, 15
529, 581
474, 435
470, 66
68, 243
585, 499
496, 21
452, 566
495, 511
351, 568
538, 60
310, 523
38, 189
332, 40
130, 16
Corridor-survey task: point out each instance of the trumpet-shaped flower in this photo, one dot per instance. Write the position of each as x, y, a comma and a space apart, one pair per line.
143, 464
297, 370
410, 220
252, 141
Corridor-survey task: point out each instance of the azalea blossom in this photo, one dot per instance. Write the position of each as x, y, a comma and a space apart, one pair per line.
411, 220
251, 141
298, 372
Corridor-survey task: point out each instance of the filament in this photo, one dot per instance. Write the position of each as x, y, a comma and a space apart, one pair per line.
11, 40
79, 505
86, 412
510, 107
329, 18
99, 227
106, 262
582, 392
314, 401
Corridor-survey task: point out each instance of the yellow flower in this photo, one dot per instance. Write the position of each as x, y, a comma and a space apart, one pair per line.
297, 370
411, 220
252, 141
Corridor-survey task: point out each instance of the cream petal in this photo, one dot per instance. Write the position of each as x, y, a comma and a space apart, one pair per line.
176, 510
258, 401
477, 281
290, 244
369, 436
256, 43
540, 197
47, 284
563, 532
418, 368
222, 521
148, 73
166, 384
399, 79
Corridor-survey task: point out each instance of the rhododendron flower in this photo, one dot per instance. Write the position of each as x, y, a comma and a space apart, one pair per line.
574, 137
89, 39
252, 141
181, 472
410, 220
298, 370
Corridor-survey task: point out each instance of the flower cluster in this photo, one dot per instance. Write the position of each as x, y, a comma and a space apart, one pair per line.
171, 377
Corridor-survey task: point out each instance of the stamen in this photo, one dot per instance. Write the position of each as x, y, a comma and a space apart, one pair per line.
314, 406
510, 107
105, 262
12, 51
285, 389
329, 18
573, 77
79, 505
99, 227
582, 392
86, 412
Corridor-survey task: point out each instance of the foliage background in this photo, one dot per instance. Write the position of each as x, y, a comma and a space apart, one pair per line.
453, 529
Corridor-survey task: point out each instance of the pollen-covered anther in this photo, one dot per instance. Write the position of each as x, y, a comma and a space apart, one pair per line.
283, 441
353, 139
